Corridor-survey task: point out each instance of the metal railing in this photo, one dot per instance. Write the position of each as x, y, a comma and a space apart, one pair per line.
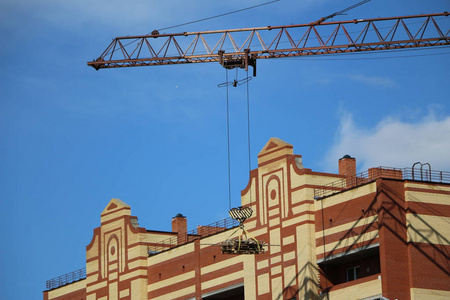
427, 175
66, 279
200, 232
342, 184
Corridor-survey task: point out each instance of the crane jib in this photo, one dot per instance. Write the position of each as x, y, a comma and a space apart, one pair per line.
240, 48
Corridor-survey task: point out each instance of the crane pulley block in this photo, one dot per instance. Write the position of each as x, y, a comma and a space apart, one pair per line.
243, 62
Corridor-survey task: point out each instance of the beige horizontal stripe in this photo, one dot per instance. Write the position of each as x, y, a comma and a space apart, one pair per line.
92, 266
348, 241
223, 264
424, 197
177, 294
255, 233
288, 240
136, 273
96, 286
275, 259
429, 294
275, 270
136, 264
262, 264
153, 237
91, 278
346, 196
274, 212
223, 279
170, 254
274, 222
428, 229
124, 293
302, 208
346, 226
363, 290
320, 179
115, 215
250, 224
297, 220
170, 281
427, 186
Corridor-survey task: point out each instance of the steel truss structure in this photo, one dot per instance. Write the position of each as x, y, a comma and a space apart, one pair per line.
242, 47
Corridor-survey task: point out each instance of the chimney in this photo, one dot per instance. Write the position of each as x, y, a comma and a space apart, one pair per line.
179, 225
347, 166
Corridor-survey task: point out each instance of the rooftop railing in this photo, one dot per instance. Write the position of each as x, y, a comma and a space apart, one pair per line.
426, 175
200, 232
66, 279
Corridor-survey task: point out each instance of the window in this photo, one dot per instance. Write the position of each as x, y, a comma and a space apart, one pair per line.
352, 273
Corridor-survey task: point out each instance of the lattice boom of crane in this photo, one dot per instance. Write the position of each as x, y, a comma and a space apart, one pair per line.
242, 47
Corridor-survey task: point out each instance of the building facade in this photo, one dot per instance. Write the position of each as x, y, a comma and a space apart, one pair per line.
381, 234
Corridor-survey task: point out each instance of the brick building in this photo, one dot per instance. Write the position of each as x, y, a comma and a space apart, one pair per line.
381, 234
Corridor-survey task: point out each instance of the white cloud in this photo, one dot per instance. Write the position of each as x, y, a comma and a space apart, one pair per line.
394, 143
374, 80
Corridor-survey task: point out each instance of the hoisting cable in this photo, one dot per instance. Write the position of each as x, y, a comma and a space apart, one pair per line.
248, 134
236, 83
228, 146
220, 15
245, 243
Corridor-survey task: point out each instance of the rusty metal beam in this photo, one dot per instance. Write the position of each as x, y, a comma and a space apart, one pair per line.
242, 47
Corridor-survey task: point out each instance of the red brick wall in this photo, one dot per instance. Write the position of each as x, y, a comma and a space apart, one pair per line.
391, 207
430, 266
339, 214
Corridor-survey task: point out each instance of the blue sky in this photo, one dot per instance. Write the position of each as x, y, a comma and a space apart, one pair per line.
72, 138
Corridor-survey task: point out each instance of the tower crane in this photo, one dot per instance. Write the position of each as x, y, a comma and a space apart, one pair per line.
243, 47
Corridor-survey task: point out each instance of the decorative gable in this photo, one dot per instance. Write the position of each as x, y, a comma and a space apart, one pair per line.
274, 149
115, 208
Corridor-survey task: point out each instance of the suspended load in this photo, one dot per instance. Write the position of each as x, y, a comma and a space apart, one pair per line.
245, 243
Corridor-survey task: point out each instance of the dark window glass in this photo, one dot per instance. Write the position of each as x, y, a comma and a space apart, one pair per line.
353, 273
